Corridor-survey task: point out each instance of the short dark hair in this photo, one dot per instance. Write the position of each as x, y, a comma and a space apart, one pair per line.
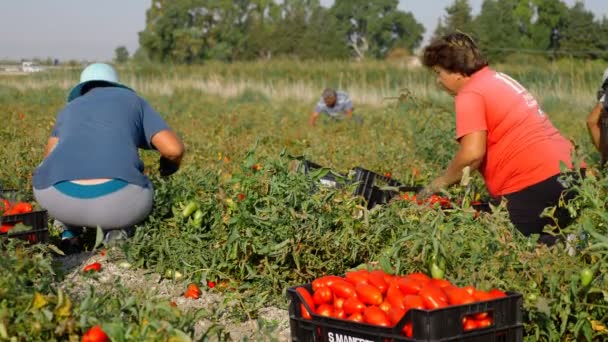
328, 92
455, 52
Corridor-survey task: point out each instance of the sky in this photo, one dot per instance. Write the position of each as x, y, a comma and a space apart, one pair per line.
92, 29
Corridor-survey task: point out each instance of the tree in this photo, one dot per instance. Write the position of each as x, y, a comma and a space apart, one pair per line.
375, 27
581, 34
458, 18
121, 54
497, 28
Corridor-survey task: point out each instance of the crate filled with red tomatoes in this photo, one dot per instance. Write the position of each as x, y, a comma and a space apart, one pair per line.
20, 219
372, 305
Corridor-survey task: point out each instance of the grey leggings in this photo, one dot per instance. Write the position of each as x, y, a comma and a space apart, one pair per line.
120, 209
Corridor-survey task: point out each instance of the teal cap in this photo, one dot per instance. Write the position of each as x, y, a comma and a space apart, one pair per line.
96, 72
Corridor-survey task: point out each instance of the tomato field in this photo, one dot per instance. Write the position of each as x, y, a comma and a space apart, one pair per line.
239, 224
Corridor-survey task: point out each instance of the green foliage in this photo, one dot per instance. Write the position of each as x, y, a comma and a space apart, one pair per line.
121, 54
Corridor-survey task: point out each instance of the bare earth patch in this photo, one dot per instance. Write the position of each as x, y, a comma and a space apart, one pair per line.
273, 324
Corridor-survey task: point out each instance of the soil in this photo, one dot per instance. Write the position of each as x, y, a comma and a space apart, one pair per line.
115, 269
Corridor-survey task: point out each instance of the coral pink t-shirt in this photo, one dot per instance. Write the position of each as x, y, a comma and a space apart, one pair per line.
523, 147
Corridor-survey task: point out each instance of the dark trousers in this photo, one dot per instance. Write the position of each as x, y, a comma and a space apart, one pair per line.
526, 206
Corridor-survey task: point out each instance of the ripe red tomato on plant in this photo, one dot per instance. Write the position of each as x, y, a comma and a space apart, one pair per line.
95, 334
193, 291
210, 284
94, 267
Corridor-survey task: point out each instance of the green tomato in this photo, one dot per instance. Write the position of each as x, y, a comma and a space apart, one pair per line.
197, 218
189, 209
436, 271
586, 276
531, 297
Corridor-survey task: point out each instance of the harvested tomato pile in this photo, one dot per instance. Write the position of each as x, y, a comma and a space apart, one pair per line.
8, 209
378, 298
444, 202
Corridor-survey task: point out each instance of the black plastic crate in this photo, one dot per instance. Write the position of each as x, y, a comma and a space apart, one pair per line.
37, 220
370, 186
441, 325
331, 178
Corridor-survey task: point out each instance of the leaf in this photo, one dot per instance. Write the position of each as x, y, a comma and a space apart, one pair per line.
98, 237
64, 305
542, 305
39, 301
55, 249
179, 336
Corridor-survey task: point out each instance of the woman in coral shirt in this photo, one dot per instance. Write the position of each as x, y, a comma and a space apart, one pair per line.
503, 133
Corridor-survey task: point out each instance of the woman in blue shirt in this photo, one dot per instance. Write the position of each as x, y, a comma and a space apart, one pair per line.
92, 174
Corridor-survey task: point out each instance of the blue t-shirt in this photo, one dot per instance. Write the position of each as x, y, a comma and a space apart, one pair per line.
343, 104
99, 136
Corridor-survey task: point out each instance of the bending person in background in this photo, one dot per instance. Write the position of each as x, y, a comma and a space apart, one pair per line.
92, 174
503, 133
336, 105
594, 119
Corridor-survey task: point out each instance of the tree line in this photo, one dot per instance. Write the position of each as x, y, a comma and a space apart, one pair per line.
193, 31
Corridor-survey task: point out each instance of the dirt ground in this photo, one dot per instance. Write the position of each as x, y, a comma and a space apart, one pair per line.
115, 268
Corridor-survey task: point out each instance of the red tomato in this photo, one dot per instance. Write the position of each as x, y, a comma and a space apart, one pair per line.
194, 287
413, 302
433, 297
306, 298
5, 228
342, 288
407, 329
481, 296
409, 286
485, 322
210, 284
305, 313
377, 279
325, 310
458, 296
395, 315
22, 207
322, 295
352, 305
496, 293
356, 317
441, 283
338, 313
385, 306
374, 315
94, 267
395, 297
469, 324
419, 276
470, 289
368, 294
192, 293
95, 334
325, 281
339, 303
356, 277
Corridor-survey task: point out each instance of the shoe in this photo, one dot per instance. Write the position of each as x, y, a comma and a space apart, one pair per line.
116, 236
